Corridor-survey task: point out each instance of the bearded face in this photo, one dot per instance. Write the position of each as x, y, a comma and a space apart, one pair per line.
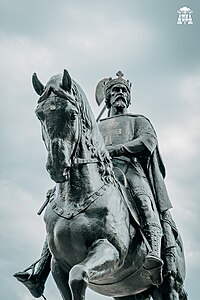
119, 96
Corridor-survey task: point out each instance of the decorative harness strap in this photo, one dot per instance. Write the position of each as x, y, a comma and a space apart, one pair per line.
72, 209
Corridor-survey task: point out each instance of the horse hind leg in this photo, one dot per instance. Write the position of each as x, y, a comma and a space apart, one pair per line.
102, 258
61, 277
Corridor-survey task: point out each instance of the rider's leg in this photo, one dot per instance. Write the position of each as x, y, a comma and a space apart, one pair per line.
35, 280
150, 222
102, 259
152, 230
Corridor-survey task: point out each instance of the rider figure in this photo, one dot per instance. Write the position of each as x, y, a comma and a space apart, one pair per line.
132, 143
133, 146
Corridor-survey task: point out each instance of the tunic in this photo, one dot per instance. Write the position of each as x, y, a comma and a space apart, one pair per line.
147, 170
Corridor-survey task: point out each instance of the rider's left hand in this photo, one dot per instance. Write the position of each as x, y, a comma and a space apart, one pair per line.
115, 150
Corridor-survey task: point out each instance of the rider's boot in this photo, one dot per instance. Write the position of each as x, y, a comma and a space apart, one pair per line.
35, 280
153, 263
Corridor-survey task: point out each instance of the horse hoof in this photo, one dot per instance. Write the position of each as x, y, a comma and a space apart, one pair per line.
78, 282
32, 283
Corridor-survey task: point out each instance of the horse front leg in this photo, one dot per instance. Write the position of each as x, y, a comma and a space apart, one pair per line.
61, 277
102, 259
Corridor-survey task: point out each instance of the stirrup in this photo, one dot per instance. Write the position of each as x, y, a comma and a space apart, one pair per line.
154, 266
152, 261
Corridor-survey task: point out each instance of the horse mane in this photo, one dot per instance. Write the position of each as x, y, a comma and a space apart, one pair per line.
94, 139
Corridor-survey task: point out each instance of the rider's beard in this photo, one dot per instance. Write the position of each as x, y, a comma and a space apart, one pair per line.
120, 102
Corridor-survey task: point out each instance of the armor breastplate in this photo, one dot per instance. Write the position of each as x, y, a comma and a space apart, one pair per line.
117, 130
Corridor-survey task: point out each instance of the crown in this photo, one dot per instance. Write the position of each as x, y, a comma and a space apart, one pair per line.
118, 80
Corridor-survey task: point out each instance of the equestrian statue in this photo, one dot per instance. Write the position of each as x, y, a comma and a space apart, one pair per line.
108, 221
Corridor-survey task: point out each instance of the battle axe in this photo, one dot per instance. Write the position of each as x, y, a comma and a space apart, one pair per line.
100, 95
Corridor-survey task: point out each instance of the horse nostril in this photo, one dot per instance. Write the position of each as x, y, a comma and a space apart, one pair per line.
48, 166
66, 171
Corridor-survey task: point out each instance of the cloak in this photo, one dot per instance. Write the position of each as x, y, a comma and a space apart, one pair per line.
122, 131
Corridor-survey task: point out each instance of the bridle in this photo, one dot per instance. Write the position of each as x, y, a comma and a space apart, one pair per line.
77, 160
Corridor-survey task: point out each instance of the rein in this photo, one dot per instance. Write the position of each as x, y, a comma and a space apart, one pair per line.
84, 161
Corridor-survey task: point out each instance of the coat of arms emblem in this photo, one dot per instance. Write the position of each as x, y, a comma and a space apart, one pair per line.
184, 16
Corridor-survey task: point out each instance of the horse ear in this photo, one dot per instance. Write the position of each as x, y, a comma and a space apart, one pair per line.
66, 81
38, 86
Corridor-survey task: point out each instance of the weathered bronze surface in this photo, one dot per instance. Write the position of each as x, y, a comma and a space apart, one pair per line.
107, 219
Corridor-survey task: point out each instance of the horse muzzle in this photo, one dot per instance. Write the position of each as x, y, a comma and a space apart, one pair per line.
60, 174
58, 166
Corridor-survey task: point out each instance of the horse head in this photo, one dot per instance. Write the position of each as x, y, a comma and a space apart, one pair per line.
58, 113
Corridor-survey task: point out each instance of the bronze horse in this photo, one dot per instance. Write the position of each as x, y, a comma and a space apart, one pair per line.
93, 239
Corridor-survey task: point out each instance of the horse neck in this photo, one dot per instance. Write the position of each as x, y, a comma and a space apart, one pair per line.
83, 181
88, 172
84, 178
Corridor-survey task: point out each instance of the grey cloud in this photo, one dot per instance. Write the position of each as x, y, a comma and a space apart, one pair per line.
95, 39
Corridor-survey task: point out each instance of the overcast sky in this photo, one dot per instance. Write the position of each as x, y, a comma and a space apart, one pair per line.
93, 40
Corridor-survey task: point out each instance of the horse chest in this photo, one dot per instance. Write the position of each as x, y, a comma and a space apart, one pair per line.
102, 219
85, 227
69, 209
74, 236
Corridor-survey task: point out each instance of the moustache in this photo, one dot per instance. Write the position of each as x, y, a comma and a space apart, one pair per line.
120, 97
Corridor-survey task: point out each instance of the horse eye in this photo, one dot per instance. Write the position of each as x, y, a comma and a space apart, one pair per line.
73, 116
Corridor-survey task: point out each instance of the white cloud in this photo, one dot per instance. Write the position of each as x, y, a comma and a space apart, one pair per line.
180, 141
20, 56
105, 41
18, 210
93, 39
189, 91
